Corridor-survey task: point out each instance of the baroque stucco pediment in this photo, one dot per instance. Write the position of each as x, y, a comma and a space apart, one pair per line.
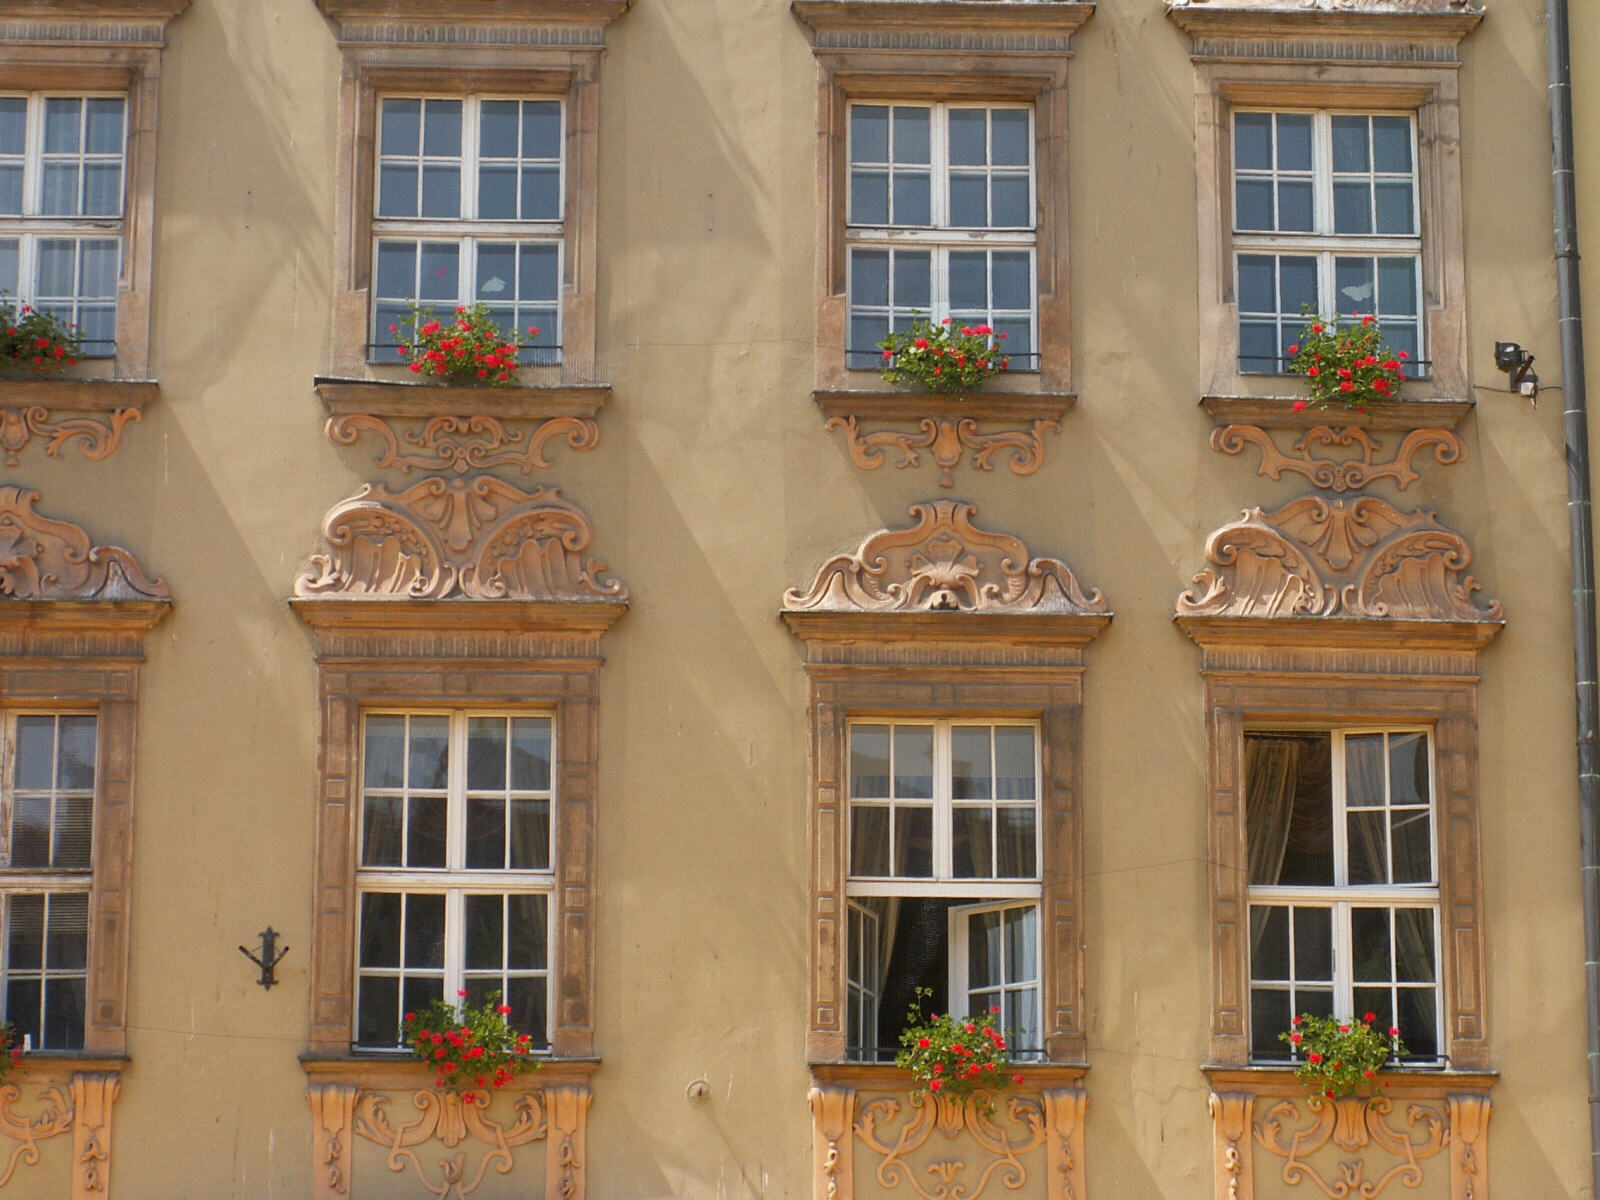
944, 563
477, 539
45, 559
1318, 557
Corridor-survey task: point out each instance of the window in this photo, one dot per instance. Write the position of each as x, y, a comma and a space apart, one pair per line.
456, 868
941, 223
1325, 218
944, 877
61, 206
469, 207
1343, 883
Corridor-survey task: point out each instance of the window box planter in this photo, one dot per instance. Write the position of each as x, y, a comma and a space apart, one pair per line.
1278, 412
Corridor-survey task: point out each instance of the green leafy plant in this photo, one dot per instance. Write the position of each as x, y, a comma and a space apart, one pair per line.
945, 357
1340, 1057
10, 1049
469, 1048
1346, 364
956, 1057
468, 348
34, 342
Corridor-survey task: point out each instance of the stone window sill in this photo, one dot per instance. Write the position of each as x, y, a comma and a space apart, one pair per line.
78, 395
882, 405
1277, 412
342, 396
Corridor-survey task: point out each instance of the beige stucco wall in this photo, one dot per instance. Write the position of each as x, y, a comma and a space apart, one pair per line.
713, 489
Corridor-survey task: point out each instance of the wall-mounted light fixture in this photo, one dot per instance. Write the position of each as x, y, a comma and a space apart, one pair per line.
1517, 363
269, 958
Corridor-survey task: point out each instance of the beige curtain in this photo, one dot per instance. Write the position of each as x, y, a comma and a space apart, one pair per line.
1271, 766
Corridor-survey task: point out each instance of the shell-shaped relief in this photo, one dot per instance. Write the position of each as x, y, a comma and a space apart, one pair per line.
1317, 557
478, 538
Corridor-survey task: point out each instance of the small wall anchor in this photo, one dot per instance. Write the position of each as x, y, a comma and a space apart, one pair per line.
269, 958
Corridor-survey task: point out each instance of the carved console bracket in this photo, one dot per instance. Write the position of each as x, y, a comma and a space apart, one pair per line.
1361, 558
947, 428
32, 409
42, 559
1266, 1132
1340, 474
80, 1105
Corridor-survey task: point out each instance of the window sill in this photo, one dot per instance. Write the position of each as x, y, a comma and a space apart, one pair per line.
78, 395
883, 405
888, 1077
58, 1067
1403, 1081
343, 396
385, 1072
1278, 412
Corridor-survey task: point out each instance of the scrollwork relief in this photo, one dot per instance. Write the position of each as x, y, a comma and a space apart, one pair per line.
1333, 558
880, 1128
44, 559
944, 563
1336, 474
452, 1119
946, 440
465, 443
99, 435
479, 538
1362, 1128
25, 1133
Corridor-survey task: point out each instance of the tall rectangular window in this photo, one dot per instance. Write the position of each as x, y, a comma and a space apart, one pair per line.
468, 207
1326, 217
48, 795
62, 162
1344, 884
456, 867
944, 877
942, 223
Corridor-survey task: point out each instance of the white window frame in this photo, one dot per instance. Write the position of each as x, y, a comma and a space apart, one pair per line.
961, 952
1342, 897
465, 231
47, 882
454, 881
939, 237
1322, 243
33, 226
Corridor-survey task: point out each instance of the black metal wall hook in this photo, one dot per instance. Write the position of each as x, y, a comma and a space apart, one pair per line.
269, 958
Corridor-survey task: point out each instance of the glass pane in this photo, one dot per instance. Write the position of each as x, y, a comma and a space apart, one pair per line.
528, 998
869, 199
869, 761
869, 133
63, 1014
425, 831
60, 192
1368, 848
25, 939
541, 129
913, 198
441, 190
1397, 287
984, 950
385, 752
99, 278
380, 845
497, 191
1013, 281
22, 1006
1352, 207
1363, 756
486, 834
1414, 945
913, 274
970, 777
9, 254
1253, 204
1252, 141
1009, 198
969, 280
1269, 1016
105, 124
530, 835
1394, 207
1022, 1019
397, 189
30, 832
485, 919
971, 843
1313, 944
1350, 144
102, 189
497, 129
61, 117
1289, 809
969, 137
1297, 283
420, 991
486, 753
869, 840
527, 933
1294, 141
401, 127
430, 752
1022, 944
1258, 346
913, 762
1378, 1002
1352, 281
969, 200
1294, 205
35, 763
1412, 846
913, 849
1369, 943
66, 947
380, 930
439, 278
1014, 762
441, 129
911, 134
13, 124
397, 269
74, 845
1317, 1002
530, 753
1269, 941
541, 193
424, 931
539, 270
10, 201
378, 1011
1014, 836
1418, 1020
75, 769
1391, 144
1010, 143
1257, 290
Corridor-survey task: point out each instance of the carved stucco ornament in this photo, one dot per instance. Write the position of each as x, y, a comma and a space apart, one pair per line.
1317, 557
1308, 460
474, 1143
44, 559
946, 439
479, 538
464, 443
944, 564
99, 436
1373, 1153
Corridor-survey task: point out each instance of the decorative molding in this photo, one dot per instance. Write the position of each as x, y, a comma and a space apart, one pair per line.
487, 22
26, 406
1360, 1127
89, 22
946, 440
463, 444
881, 405
43, 559
25, 1133
1331, 558
92, 1097
944, 564
1041, 26
1230, 1124
478, 538
1469, 1149
332, 1112
1278, 412
343, 397
451, 1119
19, 426
1340, 475
1002, 1148
1295, 30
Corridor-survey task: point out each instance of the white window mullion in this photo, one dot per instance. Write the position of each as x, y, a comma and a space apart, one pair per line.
938, 165
469, 157
943, 810
454, 944
1341, 833
466, 271
1343, 960
33, 160
455, 844
1322, 168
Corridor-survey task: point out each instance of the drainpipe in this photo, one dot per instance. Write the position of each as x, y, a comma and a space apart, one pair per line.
1576, 427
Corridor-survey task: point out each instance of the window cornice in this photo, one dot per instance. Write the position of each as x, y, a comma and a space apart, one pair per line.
944, 24
484, 22
88, 22
1398, 30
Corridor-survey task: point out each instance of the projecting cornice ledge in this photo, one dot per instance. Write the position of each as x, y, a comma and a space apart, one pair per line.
940, 24
88, 22
470, 21
1413, 30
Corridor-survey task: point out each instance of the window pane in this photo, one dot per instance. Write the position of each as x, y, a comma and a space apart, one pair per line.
1352, 281
527, 935
429, 752
1289, 808
1414, 945
385, 752
486, 834
1350, 144
1022, 944
1294, 206
397, 269
913, 198
1313, 944
1010, 202
57, 267
486, 754
969, 136
1418, 1021
969, 280
1397, 287
99, 276
13, 124
485, 920
1270, 1015
1252, 141
425, 831
530, 835
1411, 846
62, 115
419, 991
1368, 847
1394, 207
74, 832
1379, 1001
911, 134
380, 930
497, 191
913, 762
541, 129
1257, 283
382, 822
530, 753
1294, 141
1269, 941
36, 752
441, 129
1352, 207
869, 840
102, 189
1010, 141
1021, 1017
67, 940
528, 998
400, 127
105, 125
869, 761
913, 837
541, 193
1014, 762
869, 200
984, 948
75, 767
25, 937
1014, 835
971, 839
1369, 942
869, 133
30, 832
59, 196
1013, 281
1391, 141
1253, 204
1297, 285
378, 1011
424, 934
969, 200
970, 777
23, 998
63, 1013
497, 129
441, 190
439, 278
1363, 756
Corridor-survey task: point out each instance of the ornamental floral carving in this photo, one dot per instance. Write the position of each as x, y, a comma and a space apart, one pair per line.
43, 559
1317, 557
1372, 1152
453, 1119
1340, 474
944, 563
896, 1131
946, 439
479, 538
25, 1133
99, 436
465, 443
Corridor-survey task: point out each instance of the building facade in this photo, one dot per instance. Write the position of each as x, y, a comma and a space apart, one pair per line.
703, 695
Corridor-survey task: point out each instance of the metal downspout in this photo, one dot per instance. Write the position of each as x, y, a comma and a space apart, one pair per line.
1576, 429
